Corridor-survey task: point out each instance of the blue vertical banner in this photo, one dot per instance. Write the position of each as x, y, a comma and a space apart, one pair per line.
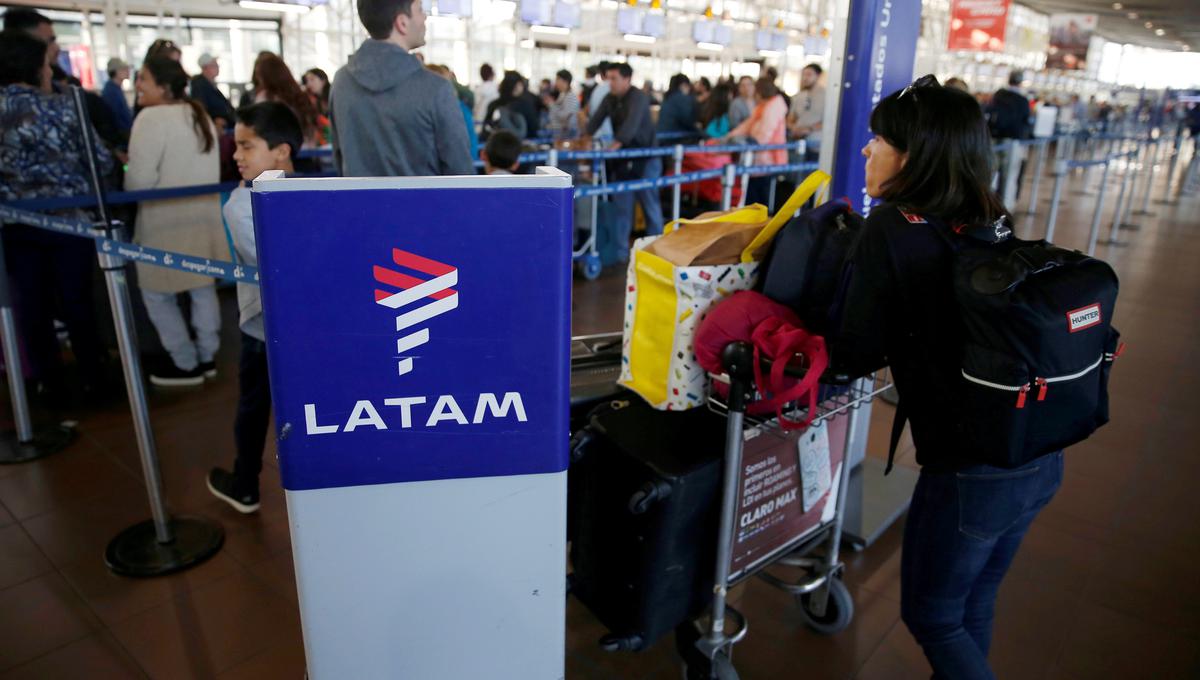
881, 47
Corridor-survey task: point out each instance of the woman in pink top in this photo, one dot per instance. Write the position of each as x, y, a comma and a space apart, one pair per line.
766, 125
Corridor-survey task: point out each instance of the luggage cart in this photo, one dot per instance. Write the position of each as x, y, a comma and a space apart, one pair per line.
586, 254
706, 645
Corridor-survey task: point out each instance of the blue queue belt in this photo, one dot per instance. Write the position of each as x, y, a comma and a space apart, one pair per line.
218, 269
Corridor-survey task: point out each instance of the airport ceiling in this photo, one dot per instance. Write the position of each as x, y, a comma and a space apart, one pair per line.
1126, 21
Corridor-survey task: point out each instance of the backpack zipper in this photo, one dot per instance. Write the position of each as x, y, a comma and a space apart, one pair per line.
1042, 383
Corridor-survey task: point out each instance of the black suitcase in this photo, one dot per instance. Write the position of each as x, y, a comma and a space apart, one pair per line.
645, 505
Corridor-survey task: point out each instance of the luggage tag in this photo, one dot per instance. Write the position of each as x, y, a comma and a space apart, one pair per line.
815, 475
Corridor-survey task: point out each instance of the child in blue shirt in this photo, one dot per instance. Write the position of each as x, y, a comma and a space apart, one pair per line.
268, 137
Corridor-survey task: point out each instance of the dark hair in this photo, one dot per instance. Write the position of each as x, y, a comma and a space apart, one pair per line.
23, 19
162, 48
678, 81
21, 58
323, 76
508, 84
169, 74
717, 104
503, 149
772, 73
565, 75
765, 88
815, 67
624, 69
705, 82
275, 123
949, 168
274, 79
379, 16
487, 72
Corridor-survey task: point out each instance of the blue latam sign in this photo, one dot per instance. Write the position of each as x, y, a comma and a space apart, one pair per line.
416, 334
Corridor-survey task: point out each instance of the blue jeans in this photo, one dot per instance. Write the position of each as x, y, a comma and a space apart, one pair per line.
649, 200
962, 533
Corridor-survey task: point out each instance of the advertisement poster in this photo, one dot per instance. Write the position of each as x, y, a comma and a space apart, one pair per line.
776, 502
978, 25
1070, 37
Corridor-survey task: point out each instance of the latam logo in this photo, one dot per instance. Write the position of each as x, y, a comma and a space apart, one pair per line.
417, 299
1084, 317
432, 295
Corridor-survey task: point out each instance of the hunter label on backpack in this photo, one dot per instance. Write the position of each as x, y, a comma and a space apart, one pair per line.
1084, 317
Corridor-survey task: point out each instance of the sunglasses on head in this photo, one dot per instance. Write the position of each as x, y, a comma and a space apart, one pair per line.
924, 81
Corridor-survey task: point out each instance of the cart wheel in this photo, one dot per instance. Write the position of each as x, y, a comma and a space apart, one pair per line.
591, 267
839, 609
721, 668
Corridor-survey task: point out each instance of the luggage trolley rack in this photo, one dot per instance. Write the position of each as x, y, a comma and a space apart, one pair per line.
706, 645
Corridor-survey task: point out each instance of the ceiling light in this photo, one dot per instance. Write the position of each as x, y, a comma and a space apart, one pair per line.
645, 39
273, 7
1149, 24
711, 47
527, 44
1118, 6
768, 53
1132, 15
1159, 31
551, 30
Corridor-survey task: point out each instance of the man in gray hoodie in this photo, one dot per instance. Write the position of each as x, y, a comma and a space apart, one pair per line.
390, 116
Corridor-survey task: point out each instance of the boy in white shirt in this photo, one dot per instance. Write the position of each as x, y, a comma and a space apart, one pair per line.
268, 137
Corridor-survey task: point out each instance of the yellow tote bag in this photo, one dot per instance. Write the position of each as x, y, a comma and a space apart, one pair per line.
664, 304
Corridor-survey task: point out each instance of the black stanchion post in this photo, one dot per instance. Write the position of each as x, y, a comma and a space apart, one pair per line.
27, 443
162, 544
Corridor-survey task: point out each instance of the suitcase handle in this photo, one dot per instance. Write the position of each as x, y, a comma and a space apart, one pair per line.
648, 495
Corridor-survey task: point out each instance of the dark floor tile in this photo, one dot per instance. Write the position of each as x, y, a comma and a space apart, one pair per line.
1106, 644
116, 598
40, 616
62, 480
20, 558
284, 660
84, 529
96, 657
210, 629
897, 658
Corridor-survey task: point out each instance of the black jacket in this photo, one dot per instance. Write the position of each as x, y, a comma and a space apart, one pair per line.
899, 310
213, 101
1009, 116
631, 120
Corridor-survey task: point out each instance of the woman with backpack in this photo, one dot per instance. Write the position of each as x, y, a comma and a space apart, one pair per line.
930, 164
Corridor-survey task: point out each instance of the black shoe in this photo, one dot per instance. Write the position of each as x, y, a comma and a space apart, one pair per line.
208, 369
223, 485
170, 375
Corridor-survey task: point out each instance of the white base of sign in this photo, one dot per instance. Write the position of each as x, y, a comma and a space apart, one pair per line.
447, 579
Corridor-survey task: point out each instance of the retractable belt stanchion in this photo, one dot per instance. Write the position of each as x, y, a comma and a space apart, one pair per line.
1094, 234
677, 152
727, 183
747, 160
1038, 167
1012, 171
1061, 169
163, 544
1152, 146
1178, 150
1124, 197
27, 443
1132, 161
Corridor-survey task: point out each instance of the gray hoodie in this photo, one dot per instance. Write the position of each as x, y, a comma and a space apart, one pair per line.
391, 117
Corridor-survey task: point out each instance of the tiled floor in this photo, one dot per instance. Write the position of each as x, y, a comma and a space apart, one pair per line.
1104, 587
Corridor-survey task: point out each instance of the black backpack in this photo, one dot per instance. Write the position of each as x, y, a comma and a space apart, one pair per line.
1038, 345
806, 268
